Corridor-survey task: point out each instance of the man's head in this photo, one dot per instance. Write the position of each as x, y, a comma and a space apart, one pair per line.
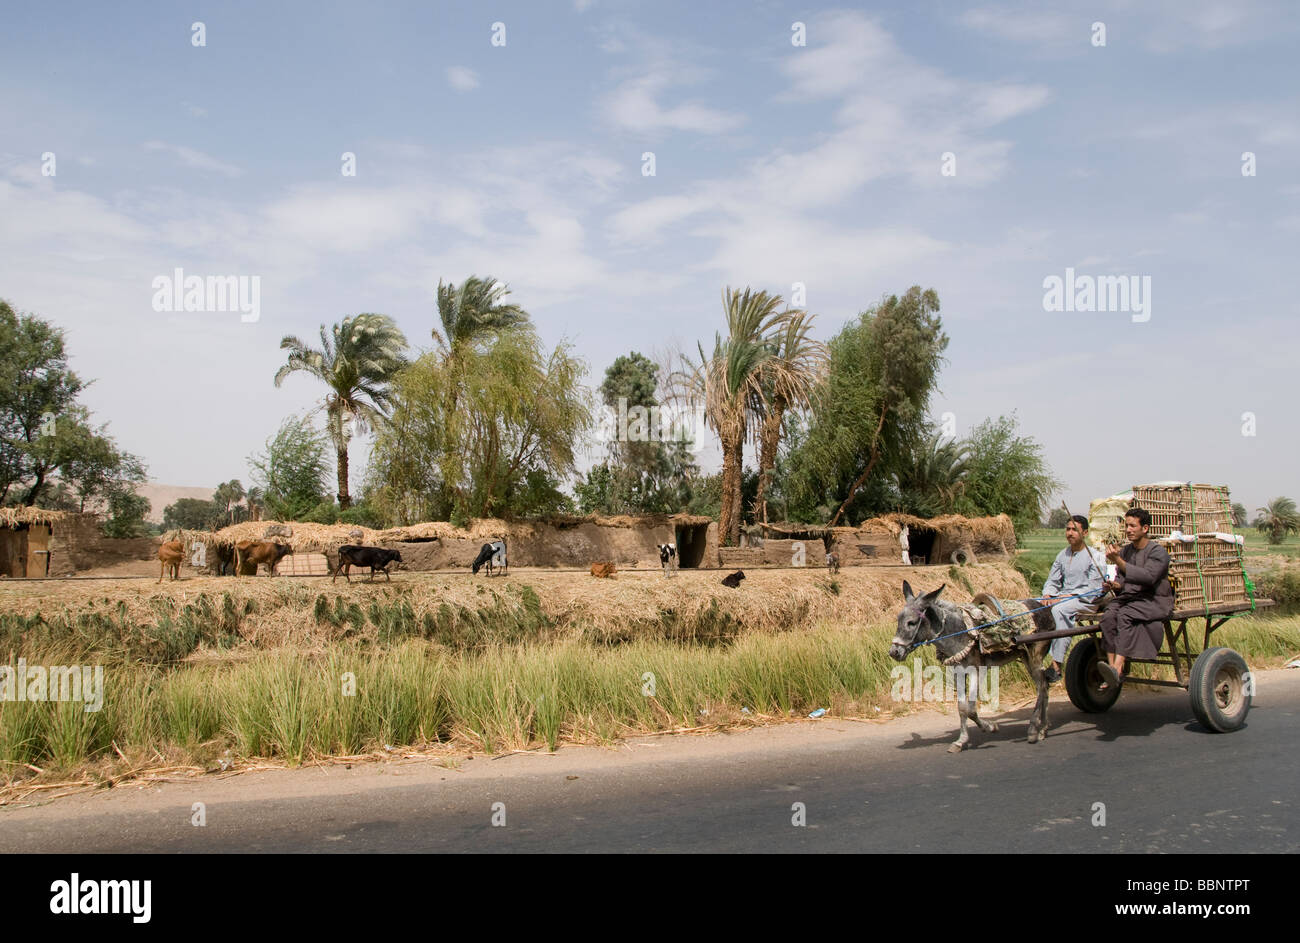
1076, 529
1137, 521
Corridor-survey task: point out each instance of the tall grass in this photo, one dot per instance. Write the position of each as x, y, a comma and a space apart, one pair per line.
295, 705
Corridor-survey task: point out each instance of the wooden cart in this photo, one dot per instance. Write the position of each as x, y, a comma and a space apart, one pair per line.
1217, 679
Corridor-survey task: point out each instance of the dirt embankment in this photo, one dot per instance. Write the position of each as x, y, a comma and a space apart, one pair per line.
525, 605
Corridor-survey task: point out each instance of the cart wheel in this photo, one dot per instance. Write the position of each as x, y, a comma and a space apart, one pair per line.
1218, 688
1083, 681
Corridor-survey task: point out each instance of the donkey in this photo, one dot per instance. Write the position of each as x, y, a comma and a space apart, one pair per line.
926, 617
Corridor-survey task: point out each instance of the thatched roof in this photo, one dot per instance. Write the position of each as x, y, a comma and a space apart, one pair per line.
13, 517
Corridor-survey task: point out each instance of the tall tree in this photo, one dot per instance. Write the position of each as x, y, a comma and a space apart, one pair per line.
790, 379
517, 420
36, 390
646, 469
293, 471
905, 349
357, 360
1006, 473
729, 382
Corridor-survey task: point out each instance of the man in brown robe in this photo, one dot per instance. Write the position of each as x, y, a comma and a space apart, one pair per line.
1133, 624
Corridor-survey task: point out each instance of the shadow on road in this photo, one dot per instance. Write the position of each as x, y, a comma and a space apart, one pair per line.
1139, 716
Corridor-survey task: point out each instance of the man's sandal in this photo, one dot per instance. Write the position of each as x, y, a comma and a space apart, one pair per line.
1109, 674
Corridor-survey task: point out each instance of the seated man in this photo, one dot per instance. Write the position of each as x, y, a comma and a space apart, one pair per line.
1133, 624
1077, 569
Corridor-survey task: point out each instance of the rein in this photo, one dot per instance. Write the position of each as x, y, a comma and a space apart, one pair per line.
985, 625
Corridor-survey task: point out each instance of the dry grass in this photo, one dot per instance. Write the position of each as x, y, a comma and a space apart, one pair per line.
640, 604
13, 517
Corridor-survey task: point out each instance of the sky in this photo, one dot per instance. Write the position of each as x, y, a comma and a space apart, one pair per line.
856, 149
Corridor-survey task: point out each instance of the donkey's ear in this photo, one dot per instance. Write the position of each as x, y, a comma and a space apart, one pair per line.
930, 597
907, 591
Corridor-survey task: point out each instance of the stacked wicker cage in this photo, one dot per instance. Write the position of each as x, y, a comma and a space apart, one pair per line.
1194, 524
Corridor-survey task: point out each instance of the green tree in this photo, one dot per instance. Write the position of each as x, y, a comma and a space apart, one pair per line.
37, 389
1058, 519
931, 479
357, 361
516, 410
1006, 473
846, 458
1278, 520
1239, 515
226, 498
730, 381
906, 345
791, 379
192, 514
293, 470
648, 470
126, 512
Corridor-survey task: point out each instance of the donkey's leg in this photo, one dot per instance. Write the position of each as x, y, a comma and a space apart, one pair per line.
970, 684
960, 743
1033, 655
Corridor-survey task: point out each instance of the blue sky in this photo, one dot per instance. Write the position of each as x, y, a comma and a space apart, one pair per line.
775, 164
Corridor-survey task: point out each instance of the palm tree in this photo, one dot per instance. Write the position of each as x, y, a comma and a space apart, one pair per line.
934, 475
729, 383
1278, 519
473, 313
791, 377
356, 362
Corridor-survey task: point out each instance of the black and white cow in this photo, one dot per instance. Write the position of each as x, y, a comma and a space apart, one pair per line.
668, 558
493, 554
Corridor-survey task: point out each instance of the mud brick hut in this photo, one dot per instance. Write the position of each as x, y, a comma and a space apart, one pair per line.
568, 542
877, 542
26, 538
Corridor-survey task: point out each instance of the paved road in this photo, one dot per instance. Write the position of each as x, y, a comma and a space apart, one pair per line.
1167, 786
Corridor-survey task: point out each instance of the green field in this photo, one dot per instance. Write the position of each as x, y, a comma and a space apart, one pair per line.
1264, 561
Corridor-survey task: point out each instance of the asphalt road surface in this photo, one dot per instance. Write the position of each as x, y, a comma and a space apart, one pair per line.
1163, 784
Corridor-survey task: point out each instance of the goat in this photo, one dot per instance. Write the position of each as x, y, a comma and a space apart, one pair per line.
733, 579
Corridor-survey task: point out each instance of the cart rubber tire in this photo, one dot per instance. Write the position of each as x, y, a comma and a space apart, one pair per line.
1082, 679
1218, 688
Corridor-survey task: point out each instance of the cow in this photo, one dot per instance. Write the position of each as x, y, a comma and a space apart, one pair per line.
833, 562
733, 579
376, 558
668, 558
254, 552
170, 555
493, 554
603, 570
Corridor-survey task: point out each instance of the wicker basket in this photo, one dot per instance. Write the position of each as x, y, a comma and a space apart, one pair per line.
1206, 572
1190, 509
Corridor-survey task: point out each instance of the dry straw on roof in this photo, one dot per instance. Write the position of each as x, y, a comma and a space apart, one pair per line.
14, 517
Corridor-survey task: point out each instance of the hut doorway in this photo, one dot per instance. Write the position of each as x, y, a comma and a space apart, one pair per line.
920, 542
13, 551
691, 540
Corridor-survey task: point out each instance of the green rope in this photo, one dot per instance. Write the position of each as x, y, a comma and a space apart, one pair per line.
1241, 547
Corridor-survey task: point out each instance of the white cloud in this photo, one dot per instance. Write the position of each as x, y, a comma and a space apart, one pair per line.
196, 159
634, 105
462, 79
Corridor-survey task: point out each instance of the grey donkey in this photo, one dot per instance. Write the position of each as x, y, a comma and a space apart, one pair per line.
927, 617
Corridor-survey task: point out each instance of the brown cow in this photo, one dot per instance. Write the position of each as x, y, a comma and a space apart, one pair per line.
254, 552
603, 570
170, 555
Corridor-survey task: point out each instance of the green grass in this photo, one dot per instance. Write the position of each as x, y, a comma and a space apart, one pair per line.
292, 705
